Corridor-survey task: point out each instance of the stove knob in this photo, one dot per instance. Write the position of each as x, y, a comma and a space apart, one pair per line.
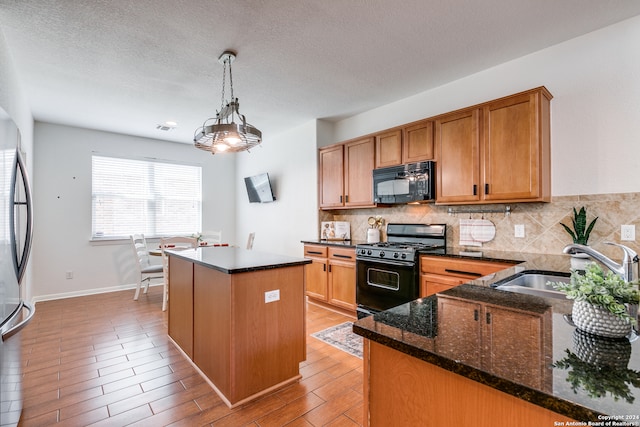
363, 251
404, 256
369, 252
396, 255
381, 254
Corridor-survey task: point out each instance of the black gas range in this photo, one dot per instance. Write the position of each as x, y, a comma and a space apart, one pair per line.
387, 273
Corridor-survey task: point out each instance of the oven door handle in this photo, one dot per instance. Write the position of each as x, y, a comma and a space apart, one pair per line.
387, 262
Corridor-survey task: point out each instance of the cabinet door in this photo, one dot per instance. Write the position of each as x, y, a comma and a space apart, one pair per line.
512, 149
389, 149
331, 179
316, 276
417, 142
359, 164
514, 348
458, 156
181, 304
459, 330
432, 283
342, 284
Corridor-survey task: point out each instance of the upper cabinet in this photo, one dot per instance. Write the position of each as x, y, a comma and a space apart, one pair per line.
389, 149
496, 152
417, 142
413, 143
345, 174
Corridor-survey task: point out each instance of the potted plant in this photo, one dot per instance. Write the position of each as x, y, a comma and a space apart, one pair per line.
601, 301
580, 233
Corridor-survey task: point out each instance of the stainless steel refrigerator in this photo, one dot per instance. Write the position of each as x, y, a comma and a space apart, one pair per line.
15, 243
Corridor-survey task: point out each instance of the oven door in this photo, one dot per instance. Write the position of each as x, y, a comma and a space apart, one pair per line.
382, 284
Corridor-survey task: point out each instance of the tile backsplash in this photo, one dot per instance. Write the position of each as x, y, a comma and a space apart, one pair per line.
543, 233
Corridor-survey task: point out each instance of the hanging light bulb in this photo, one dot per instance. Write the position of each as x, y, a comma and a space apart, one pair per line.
222, 133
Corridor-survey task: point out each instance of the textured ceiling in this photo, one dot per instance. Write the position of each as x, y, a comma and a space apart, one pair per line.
127, 66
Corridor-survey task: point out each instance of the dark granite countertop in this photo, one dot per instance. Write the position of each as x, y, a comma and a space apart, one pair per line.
413, 328
340, 243
232, 260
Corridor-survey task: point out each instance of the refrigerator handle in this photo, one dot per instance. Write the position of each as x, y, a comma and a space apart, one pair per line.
17, 328
21, 259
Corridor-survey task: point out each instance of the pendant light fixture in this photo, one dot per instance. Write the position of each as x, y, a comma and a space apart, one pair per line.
222, 134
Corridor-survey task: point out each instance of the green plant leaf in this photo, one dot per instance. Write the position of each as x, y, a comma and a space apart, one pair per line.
606, 290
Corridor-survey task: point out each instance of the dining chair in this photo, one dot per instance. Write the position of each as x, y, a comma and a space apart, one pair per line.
211, 237
250, 240
146, 270
172, 243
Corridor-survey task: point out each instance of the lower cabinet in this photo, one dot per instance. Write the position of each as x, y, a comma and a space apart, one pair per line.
401, 390
331, 277
439, 273
508, 342
181, 314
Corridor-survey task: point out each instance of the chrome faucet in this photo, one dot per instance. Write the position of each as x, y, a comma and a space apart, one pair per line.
628, 270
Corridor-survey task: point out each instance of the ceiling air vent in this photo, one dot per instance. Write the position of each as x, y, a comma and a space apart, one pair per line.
167, 126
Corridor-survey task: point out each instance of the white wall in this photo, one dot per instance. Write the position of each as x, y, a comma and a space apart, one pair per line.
290, 160
595, 113
63, 207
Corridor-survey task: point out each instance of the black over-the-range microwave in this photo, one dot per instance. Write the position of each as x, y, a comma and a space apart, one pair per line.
410, 183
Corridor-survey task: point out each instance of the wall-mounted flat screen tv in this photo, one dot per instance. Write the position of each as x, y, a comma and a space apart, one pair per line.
259, 188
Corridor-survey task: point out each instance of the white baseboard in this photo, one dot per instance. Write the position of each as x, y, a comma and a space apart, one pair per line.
87, 292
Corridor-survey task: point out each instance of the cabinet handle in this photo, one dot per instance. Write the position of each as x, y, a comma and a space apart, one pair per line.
475, 315
468, 273
342, 256
324, 267
475, 190
329, 269
346, 198
486, 189
314, 252
488, 318
340, 199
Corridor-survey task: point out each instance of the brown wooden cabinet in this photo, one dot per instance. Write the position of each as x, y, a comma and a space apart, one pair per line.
439, 273
316, 273
345, 174
417, 142
331, 276
457, 143
401, 390
410, 144
181, 315
389, 149
243, 343
508, 342
495, 152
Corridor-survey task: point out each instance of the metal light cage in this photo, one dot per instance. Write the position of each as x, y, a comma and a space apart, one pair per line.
224, 135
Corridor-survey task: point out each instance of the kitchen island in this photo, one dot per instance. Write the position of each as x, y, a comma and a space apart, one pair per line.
474, 355
239, 316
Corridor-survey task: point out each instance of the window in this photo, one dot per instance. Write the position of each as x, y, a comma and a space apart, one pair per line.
142, 196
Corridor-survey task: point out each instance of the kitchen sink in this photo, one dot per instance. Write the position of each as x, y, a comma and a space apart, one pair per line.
534, 283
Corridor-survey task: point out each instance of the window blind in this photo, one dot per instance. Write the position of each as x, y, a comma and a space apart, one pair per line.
140, 196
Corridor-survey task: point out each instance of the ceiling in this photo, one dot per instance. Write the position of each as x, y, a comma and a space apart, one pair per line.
128, 66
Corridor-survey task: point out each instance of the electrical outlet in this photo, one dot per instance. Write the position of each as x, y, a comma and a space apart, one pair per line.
271, 296
69, 275
519, 230
627, 232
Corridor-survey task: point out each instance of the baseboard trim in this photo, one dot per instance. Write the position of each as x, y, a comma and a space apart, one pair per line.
87, 292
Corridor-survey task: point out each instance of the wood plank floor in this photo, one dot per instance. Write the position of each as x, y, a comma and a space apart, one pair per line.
106, 360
